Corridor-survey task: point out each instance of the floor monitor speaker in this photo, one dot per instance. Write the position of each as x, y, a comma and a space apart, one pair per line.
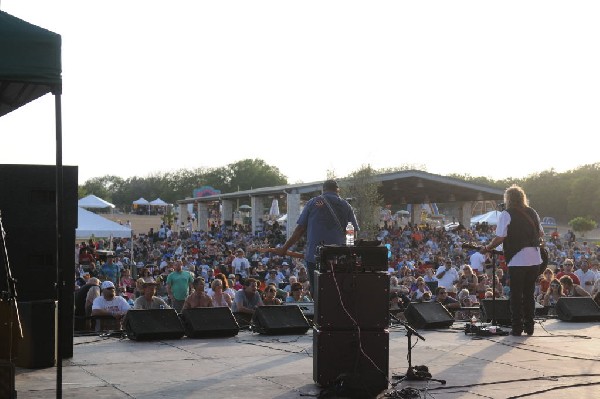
577, 309
352, 359
341, 299
209, 322
153, 324
428, 315
279, 320
498, 309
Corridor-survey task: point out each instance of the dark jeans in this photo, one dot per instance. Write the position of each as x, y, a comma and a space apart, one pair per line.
522, 301
310, 268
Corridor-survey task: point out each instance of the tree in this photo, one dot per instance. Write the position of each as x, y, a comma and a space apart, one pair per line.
582, 225
365, 199
104, 187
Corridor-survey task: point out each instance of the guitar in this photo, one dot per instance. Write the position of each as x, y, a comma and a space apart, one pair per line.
292, 254
479, 247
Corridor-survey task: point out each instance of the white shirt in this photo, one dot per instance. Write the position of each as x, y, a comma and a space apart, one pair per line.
448, 279
477, 261
584, 277
528, 256
241, 266
116, 305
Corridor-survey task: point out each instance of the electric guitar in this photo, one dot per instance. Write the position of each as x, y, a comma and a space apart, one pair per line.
292, 254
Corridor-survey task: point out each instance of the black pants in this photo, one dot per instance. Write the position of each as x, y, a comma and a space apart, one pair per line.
310, 269
522, 301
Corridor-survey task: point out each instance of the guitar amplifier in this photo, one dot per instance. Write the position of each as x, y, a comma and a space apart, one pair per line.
349, 259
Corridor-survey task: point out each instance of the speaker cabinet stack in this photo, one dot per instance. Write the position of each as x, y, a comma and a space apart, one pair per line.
350, 337
28, 206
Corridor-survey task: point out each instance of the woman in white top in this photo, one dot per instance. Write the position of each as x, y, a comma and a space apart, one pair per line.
219, 297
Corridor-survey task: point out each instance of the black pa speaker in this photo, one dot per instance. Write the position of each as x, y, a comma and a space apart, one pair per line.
7, 380
28, 205
343, 298
153, 324
428, 315
577, 309
279, 320
209, 322
498, 309
357, 361
37, 348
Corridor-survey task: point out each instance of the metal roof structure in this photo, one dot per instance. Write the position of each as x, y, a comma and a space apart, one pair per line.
404, 187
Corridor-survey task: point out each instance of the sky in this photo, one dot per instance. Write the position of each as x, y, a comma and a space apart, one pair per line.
494, 89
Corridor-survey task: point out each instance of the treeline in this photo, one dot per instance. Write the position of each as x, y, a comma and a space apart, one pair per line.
562, 195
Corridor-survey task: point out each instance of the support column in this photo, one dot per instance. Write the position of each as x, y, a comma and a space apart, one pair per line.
465, 213
202, 217
227, 212
258, 210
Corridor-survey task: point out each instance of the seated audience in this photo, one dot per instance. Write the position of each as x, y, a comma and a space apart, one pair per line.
198, 298
220, 298
149, 300
297, 294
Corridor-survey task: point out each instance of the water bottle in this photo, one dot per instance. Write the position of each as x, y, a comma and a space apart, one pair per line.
349, 234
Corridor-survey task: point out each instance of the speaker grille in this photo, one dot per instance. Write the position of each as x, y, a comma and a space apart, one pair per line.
153, 324
279, 320
428, 315
209, 322
576, 309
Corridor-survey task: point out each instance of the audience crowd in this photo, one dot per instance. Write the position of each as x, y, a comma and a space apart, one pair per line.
231, 267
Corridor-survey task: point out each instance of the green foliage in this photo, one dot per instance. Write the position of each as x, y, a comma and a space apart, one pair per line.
582, 225
173, 186
366, 200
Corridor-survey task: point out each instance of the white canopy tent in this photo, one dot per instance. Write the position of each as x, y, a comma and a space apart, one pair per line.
490, 217
93, 202
89, 224
158, 202
141, 201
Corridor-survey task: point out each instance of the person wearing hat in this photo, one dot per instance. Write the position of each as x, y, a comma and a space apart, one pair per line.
109, 304
272, 278
149, 300
323, 220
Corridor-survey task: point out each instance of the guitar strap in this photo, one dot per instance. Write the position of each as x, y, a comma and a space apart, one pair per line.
333, 213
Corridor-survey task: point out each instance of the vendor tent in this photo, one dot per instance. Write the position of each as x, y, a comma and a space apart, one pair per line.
490, 218
88, 224
158, 202
141, 201
93, 202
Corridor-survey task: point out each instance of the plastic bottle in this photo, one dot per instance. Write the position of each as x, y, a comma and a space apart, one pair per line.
349, 234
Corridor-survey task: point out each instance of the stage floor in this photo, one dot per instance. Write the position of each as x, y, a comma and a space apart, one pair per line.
561, 360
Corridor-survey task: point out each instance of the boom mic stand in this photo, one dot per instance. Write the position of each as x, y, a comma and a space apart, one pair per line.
416, 373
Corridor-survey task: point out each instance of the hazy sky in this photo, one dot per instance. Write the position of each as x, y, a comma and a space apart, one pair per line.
498, 89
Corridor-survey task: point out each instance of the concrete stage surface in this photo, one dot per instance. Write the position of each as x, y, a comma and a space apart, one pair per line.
561, 360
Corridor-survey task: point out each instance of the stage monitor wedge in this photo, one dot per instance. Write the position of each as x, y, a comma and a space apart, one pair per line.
577, 309
209, 322
153, 324
279, 320
428, 315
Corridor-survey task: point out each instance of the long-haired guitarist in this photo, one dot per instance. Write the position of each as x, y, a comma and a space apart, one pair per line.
519, 232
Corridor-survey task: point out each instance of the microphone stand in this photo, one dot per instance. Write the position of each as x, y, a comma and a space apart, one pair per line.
494, 253
418, 373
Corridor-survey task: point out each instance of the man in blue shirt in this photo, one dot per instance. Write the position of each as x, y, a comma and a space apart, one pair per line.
323, 219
